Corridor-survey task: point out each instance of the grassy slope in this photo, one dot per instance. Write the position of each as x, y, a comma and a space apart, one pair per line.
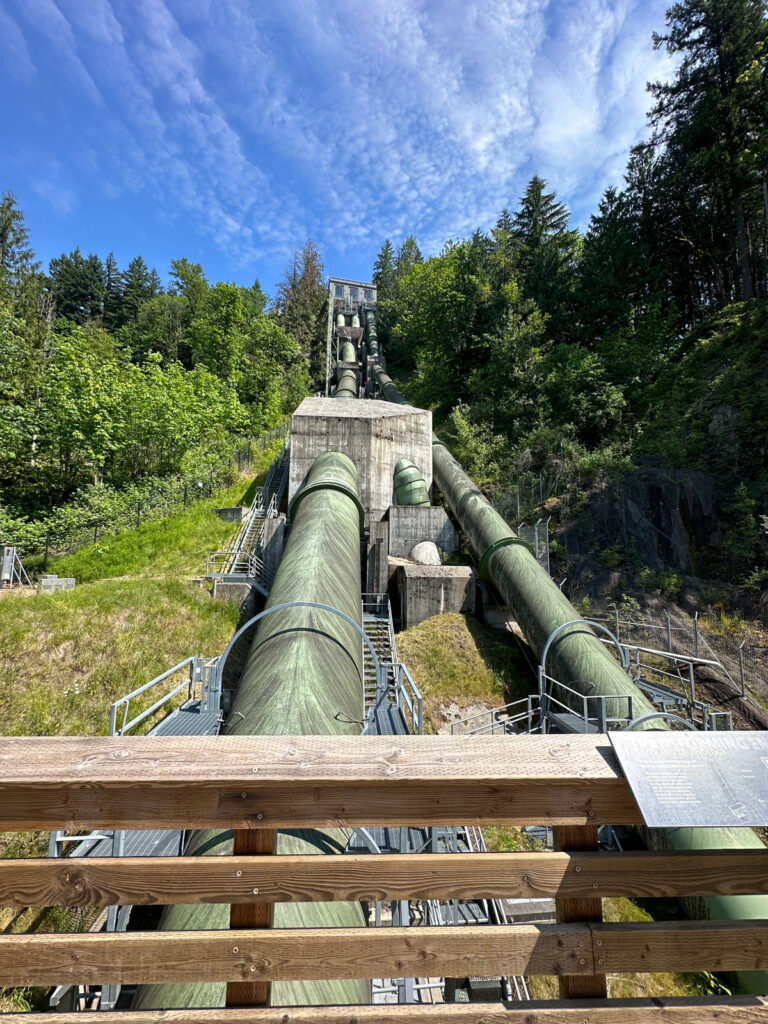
456, 659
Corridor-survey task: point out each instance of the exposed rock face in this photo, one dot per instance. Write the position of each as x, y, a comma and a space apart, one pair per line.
653, 513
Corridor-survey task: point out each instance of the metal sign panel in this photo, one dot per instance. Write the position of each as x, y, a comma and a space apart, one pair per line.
696, 778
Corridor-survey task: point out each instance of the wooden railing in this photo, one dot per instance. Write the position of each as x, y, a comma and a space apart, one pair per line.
258, 784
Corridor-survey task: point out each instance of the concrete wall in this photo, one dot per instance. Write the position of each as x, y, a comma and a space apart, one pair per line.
233, 514
272, 543
427, 590
376, 575
410, 524
375, 435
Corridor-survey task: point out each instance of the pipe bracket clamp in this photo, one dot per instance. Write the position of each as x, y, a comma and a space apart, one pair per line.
333, 485
493, 548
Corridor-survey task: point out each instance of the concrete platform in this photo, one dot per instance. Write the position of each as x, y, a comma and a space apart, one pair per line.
375, 435
427, 590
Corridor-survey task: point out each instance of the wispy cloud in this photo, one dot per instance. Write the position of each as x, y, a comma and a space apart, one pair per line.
349, 121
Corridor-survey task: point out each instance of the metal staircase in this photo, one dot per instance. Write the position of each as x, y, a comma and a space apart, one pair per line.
242, 561
277, 478
378, 625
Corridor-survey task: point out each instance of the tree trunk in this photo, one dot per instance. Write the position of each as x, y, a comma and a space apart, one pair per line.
742, 247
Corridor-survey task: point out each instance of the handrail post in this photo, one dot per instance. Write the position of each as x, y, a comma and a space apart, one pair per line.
251, 915
602, 713
570, 838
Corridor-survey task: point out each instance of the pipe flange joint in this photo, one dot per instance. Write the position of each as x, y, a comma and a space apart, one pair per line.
493, 548
333, 485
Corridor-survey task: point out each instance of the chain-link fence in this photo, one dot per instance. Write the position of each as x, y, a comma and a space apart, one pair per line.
529, 491
537, 535
742, 659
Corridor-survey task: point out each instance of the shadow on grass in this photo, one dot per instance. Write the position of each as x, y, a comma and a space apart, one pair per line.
501, 652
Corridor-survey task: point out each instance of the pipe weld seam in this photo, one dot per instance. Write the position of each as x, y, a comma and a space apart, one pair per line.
490, 551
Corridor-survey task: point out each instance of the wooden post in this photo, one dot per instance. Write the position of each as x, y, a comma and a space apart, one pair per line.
573, 838
251, 915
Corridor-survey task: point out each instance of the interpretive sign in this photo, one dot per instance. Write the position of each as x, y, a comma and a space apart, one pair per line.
696, 778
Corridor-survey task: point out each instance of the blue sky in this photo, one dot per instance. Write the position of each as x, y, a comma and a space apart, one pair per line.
229, 131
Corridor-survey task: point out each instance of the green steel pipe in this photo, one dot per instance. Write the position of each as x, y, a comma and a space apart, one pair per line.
577, 658
347, 379
372, 336
303, 676
410, 488
389, 392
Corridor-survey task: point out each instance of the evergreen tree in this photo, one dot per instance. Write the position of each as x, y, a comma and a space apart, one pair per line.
137, 288
300, 298
18, 269
77, 285
546, 254
540, 216
113, 292
385, 272
712, 118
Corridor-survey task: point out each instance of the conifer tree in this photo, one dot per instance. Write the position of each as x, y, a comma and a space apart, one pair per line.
385, 271
712, 118
77, 285
18, 269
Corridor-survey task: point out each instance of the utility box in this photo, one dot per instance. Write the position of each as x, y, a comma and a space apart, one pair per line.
7, 558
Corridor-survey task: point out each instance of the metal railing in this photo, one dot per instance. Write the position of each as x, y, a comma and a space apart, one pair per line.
201, 670
519, 716
408, 696
591, 708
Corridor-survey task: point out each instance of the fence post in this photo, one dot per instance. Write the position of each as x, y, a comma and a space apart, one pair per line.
185, 492
47, 543
616, 613
741, 668
138, 515
696, 634
669, 631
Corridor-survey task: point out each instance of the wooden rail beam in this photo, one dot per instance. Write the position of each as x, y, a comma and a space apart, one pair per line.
314, 954
732, 1010
292, 782
105, 881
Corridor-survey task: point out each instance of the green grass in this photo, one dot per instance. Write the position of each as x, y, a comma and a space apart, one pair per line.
456, 659
64, 657
174, 546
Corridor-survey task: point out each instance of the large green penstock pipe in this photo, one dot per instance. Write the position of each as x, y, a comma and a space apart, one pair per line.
578, 659
371, 334
346, 386
303, 676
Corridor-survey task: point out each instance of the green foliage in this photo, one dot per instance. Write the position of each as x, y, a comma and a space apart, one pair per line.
743, 534
474, 446
300, 299
112, 387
